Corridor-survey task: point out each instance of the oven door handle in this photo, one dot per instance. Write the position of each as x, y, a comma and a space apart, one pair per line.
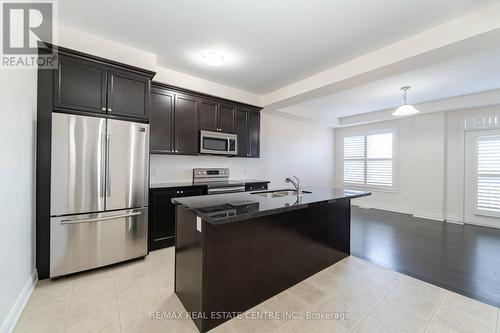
228, 144
226, 189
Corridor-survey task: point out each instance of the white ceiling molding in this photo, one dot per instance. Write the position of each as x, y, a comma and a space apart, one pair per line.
457, 37
478, 100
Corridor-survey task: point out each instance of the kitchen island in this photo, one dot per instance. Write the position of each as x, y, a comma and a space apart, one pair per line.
234, 251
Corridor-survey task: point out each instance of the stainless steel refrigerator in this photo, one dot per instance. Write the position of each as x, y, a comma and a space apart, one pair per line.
99, 192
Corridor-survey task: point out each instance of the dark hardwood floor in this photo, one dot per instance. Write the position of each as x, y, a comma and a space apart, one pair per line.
464, 259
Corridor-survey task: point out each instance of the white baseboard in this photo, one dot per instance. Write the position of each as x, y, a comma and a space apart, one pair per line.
488, 224
455, 219
428, 215
385, 207
403, 210
17, 308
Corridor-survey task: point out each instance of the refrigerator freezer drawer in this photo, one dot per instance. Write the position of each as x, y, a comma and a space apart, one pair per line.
82, 242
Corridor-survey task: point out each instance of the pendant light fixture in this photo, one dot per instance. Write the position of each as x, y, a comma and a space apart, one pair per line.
405, 109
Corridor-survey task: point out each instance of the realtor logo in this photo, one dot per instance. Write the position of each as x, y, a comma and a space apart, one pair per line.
24, 26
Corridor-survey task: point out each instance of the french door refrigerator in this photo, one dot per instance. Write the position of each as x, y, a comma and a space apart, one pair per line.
99, 189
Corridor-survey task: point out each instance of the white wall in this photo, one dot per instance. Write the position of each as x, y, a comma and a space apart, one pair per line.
429, 166
17, 148
288, 147
430, 158
401, 199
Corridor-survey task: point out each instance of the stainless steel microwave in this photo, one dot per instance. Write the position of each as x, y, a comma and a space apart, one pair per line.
218, 143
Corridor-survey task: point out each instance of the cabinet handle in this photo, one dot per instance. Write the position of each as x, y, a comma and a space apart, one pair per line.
109, 110
103, 108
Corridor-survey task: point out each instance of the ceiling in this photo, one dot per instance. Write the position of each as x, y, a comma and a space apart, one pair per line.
273, 43
472, 73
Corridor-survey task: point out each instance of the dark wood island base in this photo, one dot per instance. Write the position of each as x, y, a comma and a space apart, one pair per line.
228, 268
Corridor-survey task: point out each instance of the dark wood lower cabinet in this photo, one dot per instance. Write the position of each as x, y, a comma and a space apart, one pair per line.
231, 267
162, 214
256, 186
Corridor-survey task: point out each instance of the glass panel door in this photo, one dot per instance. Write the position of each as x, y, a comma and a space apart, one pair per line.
482, 185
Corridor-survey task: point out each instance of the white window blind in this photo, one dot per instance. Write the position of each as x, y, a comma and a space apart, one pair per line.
488, 175
369, 160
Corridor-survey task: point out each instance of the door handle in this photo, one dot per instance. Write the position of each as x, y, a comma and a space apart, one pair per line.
108, 178
227, 189
97, 219
103, 165
228, 144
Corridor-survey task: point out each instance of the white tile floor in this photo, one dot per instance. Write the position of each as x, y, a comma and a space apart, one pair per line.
120, 299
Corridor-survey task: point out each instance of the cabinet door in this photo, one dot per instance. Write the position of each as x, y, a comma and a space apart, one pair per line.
241, 129
186, 124
80, 85
162, 220
254, 133
161, 121
128, 94
226, 118
162, 215
208, 115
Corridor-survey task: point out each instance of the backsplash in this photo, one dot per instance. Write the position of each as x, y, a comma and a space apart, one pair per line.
168, 168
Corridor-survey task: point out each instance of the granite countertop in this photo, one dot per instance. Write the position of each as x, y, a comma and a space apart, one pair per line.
190, 183
233, 207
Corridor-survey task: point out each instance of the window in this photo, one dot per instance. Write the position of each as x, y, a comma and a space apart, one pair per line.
488, 175
369, 160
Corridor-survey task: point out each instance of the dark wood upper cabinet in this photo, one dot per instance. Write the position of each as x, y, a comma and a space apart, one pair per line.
161, 121
247, 126
241, 129
254, 133
226, 118
190, 112
208, 115
80, 85
85, 83
128, 94
186, 124
216, 117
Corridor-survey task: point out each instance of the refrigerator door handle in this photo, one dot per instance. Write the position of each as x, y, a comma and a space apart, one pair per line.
108, 178
103, 165
100, 218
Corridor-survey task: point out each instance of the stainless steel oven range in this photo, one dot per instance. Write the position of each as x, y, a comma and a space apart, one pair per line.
217, 181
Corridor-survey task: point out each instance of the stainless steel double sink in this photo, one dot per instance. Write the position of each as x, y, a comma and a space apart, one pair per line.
279, 193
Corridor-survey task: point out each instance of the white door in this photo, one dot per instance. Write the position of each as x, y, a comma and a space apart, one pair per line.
482, 178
